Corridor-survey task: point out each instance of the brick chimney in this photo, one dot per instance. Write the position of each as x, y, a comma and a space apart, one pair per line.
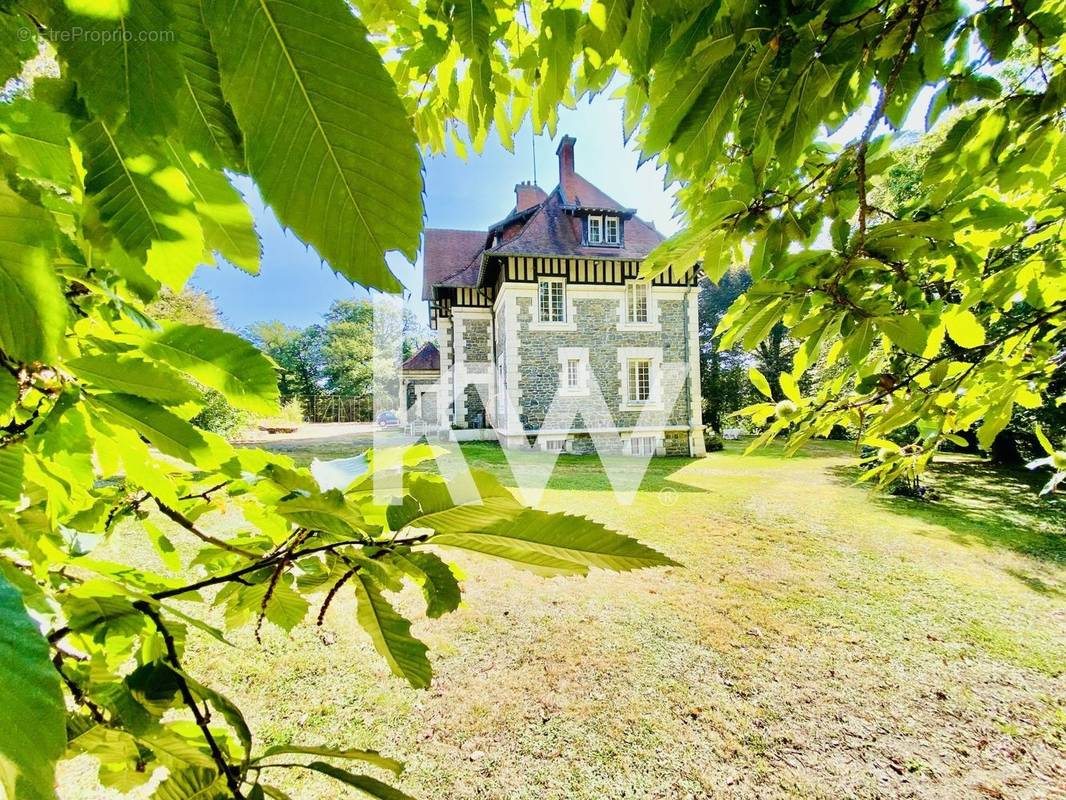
565, 151
527, 194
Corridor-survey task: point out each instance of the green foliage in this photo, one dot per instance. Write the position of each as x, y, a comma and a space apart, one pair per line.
337, 356
274, 78
115, 383
943, 306
944, 312
31, 738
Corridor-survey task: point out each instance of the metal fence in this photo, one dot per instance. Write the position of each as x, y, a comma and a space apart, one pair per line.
335, 408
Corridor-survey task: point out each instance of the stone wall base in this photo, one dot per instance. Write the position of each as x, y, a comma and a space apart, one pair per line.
674, 443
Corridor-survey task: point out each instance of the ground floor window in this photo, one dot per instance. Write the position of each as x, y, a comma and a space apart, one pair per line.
555, 445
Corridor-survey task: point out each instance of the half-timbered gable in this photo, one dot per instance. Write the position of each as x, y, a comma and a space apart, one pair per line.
547, 333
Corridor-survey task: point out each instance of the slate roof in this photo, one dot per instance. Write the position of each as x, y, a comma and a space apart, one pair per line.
551, 231
547, 228
427, 358
451, 258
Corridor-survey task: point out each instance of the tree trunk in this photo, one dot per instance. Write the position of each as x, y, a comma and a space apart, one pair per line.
1004, 450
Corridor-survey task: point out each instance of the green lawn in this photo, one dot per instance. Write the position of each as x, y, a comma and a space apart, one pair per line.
822, 641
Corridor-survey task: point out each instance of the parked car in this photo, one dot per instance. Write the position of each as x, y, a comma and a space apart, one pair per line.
388, 419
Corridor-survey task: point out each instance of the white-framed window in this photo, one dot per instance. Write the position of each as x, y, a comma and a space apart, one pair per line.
612, 230
555, 445
636, 302
573, 373
639, 387
551, 300
595, 235
642, 445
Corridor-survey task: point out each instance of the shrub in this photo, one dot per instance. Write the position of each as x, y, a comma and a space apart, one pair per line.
712, 442
218, 416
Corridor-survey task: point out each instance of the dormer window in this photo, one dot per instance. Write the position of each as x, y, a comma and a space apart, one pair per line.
605, 229
595, 230
611, 230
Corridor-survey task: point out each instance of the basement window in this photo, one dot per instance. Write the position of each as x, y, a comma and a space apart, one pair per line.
642, 446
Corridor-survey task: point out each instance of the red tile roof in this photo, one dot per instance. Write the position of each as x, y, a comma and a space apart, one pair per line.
427, 358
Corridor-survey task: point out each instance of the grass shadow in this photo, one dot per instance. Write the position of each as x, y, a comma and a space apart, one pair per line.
584, 473
995, 506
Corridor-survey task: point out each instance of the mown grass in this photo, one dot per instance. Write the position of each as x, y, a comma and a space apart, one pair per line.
820, 641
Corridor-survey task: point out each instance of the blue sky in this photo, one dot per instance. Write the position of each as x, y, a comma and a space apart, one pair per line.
294, 286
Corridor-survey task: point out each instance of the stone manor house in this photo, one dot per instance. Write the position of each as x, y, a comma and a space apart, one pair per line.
546, 337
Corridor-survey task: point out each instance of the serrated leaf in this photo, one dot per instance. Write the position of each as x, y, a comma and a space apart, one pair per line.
371, 787
555, 542
9, 394
324, 511
34, 310
351, 754
327, 139
38, 137
224, 706
121, 173
132, 375
390, 633
609, 20
33, 734
194, 783
15, 46
207, 124
164, 429
440, 587
286, 608
11, 468
906, 332
789, 387
224, 216
220, 360
964, 329
126, 67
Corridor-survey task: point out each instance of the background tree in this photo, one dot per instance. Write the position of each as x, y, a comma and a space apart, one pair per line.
298, 354
723, 373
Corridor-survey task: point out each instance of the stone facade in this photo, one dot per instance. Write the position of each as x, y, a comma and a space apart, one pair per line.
596, 319
428, 388
472, 367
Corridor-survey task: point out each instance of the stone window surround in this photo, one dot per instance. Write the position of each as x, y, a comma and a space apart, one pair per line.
580, 354
655, 356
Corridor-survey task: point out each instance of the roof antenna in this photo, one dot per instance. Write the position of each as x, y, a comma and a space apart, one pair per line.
533, 144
